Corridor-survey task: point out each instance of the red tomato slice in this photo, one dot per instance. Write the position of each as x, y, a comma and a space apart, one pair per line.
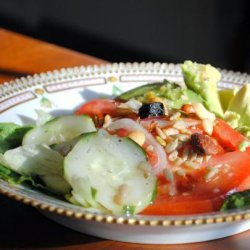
226, 135
98, 107
207, 194
102, 107
182, 205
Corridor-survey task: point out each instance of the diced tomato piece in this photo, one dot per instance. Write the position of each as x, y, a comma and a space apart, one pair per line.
122, 132
188, 108
226, 135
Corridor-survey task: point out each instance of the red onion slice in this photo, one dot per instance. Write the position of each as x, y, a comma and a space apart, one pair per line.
132, 125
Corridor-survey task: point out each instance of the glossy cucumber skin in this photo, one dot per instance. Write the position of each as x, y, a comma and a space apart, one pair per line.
59, 130
140, 91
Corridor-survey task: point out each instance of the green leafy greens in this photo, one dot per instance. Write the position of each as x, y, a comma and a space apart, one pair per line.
237, 200
11, 135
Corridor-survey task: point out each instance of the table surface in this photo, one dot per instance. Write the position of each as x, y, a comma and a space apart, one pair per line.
23, 226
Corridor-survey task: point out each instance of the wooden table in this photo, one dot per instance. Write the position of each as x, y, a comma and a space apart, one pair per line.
22, 226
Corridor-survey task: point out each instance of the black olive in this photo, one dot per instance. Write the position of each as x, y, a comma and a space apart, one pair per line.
151, 109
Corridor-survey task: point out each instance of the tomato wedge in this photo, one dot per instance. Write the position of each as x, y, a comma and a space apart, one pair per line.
207, 195
226, 135
182, 205
102, 107
98, 107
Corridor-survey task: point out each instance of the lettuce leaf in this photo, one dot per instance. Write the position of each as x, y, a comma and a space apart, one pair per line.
14, 178
38, 161
11, 135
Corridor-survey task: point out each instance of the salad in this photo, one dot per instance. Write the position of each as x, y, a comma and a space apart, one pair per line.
158, 149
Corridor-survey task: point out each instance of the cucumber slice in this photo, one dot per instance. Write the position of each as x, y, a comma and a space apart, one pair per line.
59, 130
39, 161
115, 168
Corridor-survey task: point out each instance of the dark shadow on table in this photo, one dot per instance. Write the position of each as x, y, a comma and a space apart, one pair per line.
22, 226
12, 73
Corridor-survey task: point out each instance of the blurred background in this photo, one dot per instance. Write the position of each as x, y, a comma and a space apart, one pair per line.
207, 31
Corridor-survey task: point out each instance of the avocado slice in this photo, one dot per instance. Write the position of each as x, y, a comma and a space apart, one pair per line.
226, 96
240, 104
203, 79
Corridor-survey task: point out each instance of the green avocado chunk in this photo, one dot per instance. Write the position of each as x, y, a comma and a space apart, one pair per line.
226, 95
203, 79
240, 104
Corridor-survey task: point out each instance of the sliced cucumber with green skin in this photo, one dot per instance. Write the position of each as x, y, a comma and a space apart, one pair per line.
38, 161
59, 130
115, 168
